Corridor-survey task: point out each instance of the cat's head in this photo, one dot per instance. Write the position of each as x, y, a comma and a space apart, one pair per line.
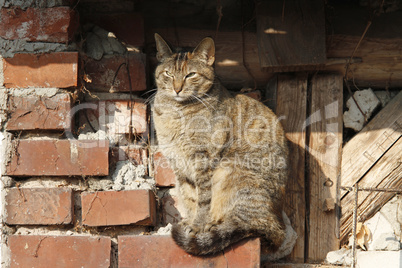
185, 76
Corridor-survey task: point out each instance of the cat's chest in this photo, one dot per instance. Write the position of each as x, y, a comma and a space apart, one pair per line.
181, 129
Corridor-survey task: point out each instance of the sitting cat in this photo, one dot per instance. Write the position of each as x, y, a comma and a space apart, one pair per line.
229, 154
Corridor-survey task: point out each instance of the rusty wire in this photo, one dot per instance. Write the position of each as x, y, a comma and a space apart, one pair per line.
371, 189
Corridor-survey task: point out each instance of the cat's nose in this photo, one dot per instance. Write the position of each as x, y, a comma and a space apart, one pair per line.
178, 90
177, 86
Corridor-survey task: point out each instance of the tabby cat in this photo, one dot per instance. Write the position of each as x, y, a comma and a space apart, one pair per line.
229, 154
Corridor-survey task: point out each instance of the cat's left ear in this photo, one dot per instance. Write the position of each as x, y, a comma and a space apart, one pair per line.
206, 51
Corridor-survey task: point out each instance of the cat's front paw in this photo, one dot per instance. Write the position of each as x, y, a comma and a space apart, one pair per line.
210, 226
189, 229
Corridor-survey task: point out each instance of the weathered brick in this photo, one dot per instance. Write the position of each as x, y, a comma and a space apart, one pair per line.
133, 31
59, 158
35, 112
161, 251
116, 116
59, 69
164, 175
40, 206
59, 251
137, 155
102, 72
56, 24
118, 208
170, 208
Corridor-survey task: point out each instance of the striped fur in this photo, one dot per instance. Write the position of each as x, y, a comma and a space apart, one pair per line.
229, 154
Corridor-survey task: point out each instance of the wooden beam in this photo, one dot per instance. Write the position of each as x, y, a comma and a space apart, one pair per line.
229, 63
380, 64
370, 144
291, 34
292, 107
325, 144
386, 173
377, 63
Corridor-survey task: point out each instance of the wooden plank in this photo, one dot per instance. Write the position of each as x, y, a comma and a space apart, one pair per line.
380, 64
229, 64
291, 106
370, 144
325, 144
379, 67
291, 34
386, 173
271, 89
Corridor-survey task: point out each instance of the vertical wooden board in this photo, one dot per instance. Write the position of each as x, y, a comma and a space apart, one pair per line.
291, 33
291, 106
324, 160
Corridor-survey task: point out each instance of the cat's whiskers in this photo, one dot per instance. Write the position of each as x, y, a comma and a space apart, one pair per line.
151, 98
204, 103
209, 96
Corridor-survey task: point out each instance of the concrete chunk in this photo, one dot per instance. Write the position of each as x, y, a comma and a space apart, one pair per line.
367, 102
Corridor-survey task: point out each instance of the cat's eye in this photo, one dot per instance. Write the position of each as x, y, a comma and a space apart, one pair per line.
168, 73
190, 75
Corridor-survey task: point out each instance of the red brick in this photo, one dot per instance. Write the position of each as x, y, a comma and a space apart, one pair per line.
118, 208
39, 206
59, 158
35, 112
133, 31
161, 251
116, 116
137, 155
102, 73
57, 24
170, 209
59, 69
164, 175
59, 251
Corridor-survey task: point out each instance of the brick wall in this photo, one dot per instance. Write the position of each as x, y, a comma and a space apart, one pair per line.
81, 184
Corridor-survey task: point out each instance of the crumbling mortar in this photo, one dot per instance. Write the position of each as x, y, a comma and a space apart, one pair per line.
8, 48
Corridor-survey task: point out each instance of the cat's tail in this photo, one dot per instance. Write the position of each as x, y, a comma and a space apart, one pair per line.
209, 242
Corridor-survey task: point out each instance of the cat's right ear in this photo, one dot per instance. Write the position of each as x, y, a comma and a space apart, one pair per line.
163, 49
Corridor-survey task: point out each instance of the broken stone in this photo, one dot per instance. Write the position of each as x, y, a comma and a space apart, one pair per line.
166, 230
107, 48
383, 96
97, 184
115, 44
128, 176
94, 48
7, 181
367, 102
287, 245
342, 256
383, 237
376, 259
392, 211
100, 42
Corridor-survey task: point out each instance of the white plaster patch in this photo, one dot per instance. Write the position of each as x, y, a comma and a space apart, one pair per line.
377, 259
128, 176
367, 101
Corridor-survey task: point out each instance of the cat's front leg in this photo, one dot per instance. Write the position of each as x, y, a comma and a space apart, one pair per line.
188, 199
203, 205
